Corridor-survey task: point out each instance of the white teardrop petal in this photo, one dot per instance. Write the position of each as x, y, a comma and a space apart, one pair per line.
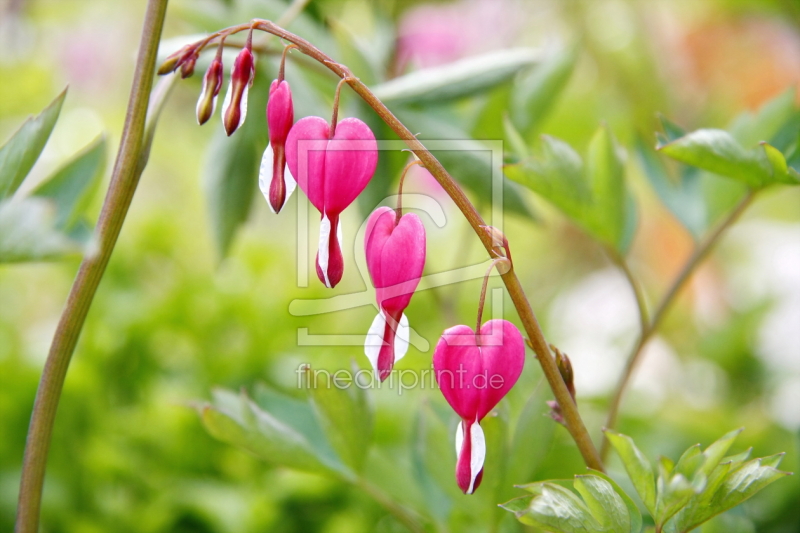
227, 102
401, 339
243, 106
478, 455
290, 184
265, 174
339, 234
459, 437
324, 238
374, 340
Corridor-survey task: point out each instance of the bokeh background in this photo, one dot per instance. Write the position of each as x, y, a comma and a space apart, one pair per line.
175, 317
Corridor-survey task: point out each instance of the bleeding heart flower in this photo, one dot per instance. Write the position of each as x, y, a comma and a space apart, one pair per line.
275, 180
332, 166
395, 250
234, 109
212, 82
474, 373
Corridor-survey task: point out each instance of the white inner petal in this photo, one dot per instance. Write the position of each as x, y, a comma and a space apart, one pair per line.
459, 437
265, 174
227, 102
290, 184
243, 106
401, 339
478, 454
374, 340
324, 238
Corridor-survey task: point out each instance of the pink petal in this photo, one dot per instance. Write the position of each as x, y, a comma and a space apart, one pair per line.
350, 162
305, 155
280, 112
330, 262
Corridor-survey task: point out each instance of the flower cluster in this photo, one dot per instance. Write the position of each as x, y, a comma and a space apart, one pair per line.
332, 162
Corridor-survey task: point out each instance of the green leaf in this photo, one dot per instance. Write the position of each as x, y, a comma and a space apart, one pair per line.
682, 196
637, 466
558, 510
605, 504
674, 493
460, 78
516, 505
28, 232
718, 152
717, 450
606, 173
556, 173
533, 436
751, 128
19, 154
344, 414
690, 461
237, 420
72, 187
634, 515
231, 169
536, 92
781, 171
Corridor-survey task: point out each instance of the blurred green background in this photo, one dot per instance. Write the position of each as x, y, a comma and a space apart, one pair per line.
173, 319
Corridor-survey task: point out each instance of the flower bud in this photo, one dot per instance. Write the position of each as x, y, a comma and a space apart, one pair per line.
275, 180
187, 65
174, 60
212, 81
234, 109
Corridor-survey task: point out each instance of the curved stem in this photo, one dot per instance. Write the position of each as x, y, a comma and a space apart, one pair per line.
700, 253
636, 288
399, 210
572, 419
124, 179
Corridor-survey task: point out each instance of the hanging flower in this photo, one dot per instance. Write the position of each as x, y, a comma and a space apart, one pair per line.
332, 165
274, 179
234, 108
395, 250
475, 370
212, 82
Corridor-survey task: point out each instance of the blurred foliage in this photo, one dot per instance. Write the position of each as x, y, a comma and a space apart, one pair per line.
171, 322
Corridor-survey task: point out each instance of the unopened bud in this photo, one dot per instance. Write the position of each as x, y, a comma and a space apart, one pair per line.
187, 65
565, 369
212, 81
174, 60
275, 180
234, 109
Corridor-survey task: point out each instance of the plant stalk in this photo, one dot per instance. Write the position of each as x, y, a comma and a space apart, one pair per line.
124, 180
700, 253
572, 419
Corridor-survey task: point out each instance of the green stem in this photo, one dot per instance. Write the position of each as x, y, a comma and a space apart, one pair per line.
700, 253
124, 179
572, 419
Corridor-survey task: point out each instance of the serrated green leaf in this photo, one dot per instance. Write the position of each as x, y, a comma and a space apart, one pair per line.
737, 485
682, 196
606, 506
718, 152
696, 510
638, 467
536, 92
457, 79
28, 232
781, 172
690, 461
19, 154
634, 515
72, 187
516, 505
674, 493
237, 420
559, 510
344, 414
717, 450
